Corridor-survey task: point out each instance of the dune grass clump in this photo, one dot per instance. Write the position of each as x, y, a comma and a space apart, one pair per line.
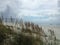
21, 39
12, 38
4, 33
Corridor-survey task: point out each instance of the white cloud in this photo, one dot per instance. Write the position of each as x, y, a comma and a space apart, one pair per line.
3, 4
35, 8
31, 7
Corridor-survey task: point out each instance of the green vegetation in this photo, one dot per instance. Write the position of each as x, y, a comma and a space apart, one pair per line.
18, 39
26, 37
4, 33
22, 39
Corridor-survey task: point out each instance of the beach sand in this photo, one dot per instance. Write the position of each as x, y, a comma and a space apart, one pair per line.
56, 29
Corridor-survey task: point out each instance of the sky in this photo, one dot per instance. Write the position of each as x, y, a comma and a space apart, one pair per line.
38, 11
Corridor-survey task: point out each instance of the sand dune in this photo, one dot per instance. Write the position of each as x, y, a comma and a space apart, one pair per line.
56, 29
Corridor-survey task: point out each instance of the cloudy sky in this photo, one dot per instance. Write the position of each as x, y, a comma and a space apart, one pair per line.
39, 11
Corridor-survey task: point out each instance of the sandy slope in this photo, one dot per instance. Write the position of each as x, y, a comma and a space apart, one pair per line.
55, 28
